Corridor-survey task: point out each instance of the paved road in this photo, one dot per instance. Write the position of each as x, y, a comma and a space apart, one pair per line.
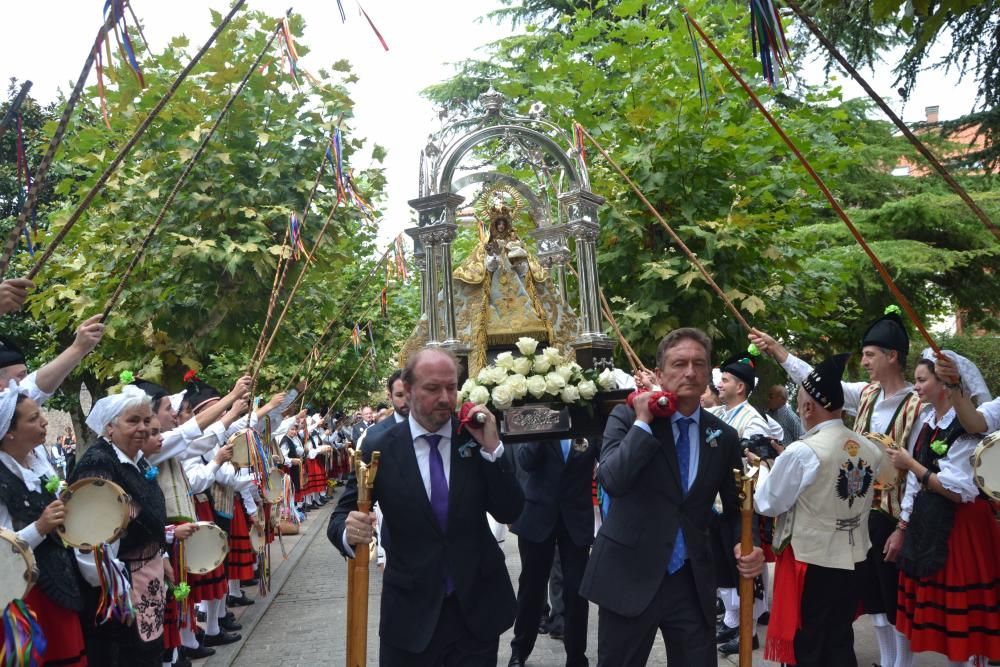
303, 624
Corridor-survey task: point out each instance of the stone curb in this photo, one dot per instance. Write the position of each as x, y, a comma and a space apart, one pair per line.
225, 656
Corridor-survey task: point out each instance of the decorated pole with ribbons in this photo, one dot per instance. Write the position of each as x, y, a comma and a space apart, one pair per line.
182, 179
896, 120
110, 169
834, 204
50, 153
15, 107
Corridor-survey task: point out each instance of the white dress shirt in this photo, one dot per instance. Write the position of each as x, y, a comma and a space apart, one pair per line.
694, 451
33, 391
176, 441
991, 411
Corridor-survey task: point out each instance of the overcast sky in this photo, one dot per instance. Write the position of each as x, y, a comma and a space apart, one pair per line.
50, 38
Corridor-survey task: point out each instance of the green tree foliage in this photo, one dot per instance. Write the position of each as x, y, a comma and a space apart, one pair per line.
198, 299
721, 177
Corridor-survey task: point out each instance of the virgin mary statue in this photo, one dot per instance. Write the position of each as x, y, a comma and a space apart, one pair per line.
501, 292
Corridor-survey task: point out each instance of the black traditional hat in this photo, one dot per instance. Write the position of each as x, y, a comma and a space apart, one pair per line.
743, 367
888, 332
10, 354
198, 392
153, 390
823, 383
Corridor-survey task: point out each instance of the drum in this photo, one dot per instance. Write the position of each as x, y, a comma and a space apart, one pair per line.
18, 572
274, 486
986, 465
257, 539
222, 500
97, 512
206, 549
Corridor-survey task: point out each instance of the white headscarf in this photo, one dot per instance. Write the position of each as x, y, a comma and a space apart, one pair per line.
973, 383
8, 404
111, 406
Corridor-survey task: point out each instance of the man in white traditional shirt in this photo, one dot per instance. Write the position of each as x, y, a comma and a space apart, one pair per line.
887, 405
820, 489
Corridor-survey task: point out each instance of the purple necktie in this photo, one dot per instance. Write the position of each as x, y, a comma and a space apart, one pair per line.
439, 494
439, 483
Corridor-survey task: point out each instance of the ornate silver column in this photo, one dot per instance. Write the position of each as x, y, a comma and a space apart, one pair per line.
553, 254
434, 234
594, 349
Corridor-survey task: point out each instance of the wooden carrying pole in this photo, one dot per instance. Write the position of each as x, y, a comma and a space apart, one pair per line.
357, 568
745, 482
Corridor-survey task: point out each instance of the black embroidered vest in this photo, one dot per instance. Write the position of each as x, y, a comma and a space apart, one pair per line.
57, 572
144, 537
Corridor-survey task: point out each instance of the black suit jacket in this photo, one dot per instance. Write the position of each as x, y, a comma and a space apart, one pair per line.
554, 488
378, 427
413, 582
640, 473
357, 430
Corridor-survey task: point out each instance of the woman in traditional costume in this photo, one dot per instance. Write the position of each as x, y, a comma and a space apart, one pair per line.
949, 585
29, 507
122, 423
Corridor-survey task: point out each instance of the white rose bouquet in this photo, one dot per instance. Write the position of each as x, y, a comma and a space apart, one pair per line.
541, 375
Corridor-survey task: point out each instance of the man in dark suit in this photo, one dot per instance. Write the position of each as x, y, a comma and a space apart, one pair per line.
446, 594
558, 511
367, 419
396, 392
651, 565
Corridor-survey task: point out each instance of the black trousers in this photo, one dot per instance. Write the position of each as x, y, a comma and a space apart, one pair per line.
452, 645
881, 577
536, 563
676, 612
829, 600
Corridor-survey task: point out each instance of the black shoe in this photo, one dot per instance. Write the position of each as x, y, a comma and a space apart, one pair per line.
222, 639
515, 661
720, 608
201, 616
764, 618
543, 626
241, 601
732, 647
246, 583
181, 662
229, 624
197, 653
556, 632
727, 635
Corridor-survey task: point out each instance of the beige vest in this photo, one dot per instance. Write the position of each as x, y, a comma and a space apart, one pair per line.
828, 525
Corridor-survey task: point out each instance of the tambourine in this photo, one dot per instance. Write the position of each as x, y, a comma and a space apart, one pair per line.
18, 572
273, 488
241, 449
97, 512
257, 539
986, 465
206, 548
888, 477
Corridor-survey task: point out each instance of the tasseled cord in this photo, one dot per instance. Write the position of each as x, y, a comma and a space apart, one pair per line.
23, 640
115, 602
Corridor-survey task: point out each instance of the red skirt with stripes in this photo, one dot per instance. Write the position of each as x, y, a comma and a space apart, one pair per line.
316, 475
62, 630
955, 611
211, 585
239, 562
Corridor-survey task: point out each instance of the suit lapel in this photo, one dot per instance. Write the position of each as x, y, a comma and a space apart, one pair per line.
706, 453
663, 431
459, 473
410, 474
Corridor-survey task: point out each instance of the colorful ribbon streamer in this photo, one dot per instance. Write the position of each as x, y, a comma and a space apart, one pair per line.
699, 63
374, 29
768, 38
115, 601
23, 640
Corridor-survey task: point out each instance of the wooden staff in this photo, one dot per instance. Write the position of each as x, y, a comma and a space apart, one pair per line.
677, 239
897, 121
182, 179
357, 568
50, 153
834, 204
745, 483
122, 153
